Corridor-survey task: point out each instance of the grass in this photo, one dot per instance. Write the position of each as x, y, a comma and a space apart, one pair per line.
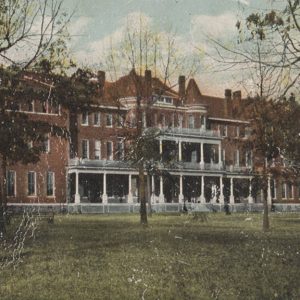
175, 257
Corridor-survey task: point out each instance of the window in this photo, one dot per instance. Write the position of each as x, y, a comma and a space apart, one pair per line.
237, 131
97, 149
50, 184
31, 183
46, 144
120, 149
31, 106
97, 118
109, 122
120, 121
144, 119
85, 118
191, 121
11, 183
168, 100
180, 121
85, 149
44, 107
109, 150
236, 158
162, 120
224, 130
248, 158
284, 191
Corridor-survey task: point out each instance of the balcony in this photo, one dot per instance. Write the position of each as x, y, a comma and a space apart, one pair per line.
198, 132
240, 169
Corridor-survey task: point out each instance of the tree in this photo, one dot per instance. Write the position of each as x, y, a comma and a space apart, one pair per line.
143, 49
30, 28
32, 36
267, 51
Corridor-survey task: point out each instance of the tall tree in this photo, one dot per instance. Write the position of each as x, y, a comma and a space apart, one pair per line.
32, 33
141, 49
267, 52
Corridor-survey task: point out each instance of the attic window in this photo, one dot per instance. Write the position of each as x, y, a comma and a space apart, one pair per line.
167, 100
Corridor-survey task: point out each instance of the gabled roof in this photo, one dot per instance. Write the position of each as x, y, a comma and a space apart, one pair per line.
192, 92
133, 85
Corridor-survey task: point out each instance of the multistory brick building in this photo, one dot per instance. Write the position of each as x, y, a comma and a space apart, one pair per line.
204, 132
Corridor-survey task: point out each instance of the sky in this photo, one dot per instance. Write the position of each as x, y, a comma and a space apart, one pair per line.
96, 22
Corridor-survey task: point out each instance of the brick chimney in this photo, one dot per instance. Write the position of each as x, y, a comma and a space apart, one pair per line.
236, 102
181, 84
227, 103
148, 83
101, 81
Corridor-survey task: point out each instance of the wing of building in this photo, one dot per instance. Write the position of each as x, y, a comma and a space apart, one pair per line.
204, 132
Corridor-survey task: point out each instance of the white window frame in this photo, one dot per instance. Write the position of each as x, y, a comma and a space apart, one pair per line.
237, 158
180, 121
34, 184
109, 116
87, 149
237, 131
53, 184
191, 121
120, 141
98, 123
14, 183
97, 150
111, 157
47, 144
85, 118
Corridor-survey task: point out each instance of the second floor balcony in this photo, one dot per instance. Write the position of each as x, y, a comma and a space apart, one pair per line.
193, 132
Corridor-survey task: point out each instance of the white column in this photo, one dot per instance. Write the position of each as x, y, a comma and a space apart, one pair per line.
221, 199
77, 195
160, 147
129, 198
231, 197
161, 190
269, 197
181, 197
202, 198
104, 196
220, 156
250, 198
152, 190
179, 151
201, 155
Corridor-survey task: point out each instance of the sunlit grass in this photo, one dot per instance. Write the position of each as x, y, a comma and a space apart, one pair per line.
175, 257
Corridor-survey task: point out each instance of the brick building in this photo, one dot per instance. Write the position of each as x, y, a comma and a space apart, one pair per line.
201, 130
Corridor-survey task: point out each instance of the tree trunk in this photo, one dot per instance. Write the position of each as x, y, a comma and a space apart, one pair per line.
3, 197
142, 196
266, 223
149, 195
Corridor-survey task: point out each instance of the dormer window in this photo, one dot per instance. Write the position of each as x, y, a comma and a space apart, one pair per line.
166, 100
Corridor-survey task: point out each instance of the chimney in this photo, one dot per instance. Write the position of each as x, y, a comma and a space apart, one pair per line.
236, 102
227, 103
237, 95
101, 81
181, 83
148, 83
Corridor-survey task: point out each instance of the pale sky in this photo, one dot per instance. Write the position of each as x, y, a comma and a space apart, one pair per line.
97, 21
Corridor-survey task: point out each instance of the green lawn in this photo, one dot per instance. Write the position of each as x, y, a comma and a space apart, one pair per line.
113, 257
